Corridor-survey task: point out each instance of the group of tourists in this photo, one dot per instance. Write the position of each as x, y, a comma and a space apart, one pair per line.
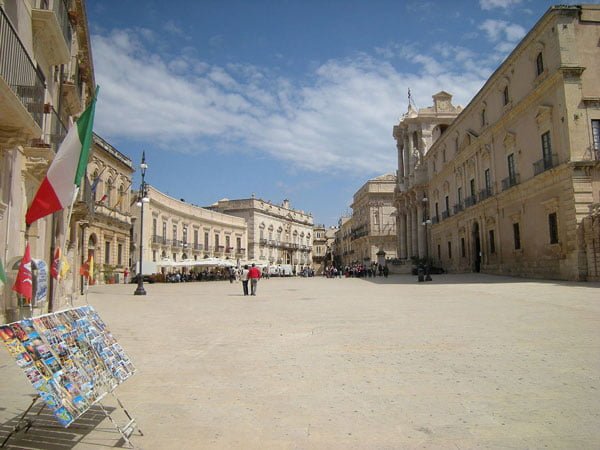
357, 271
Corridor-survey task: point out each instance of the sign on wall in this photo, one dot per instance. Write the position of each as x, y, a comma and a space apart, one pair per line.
70, 357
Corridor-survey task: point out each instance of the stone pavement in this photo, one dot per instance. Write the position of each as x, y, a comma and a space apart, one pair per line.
465, 361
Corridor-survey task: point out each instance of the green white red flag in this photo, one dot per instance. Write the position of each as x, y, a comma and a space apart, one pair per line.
24, 282
58, 189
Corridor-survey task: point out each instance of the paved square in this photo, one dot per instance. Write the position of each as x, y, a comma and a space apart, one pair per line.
465, 361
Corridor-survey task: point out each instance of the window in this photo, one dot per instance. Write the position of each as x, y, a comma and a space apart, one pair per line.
447, 200
216, 241
444, 155
185, 234
164, 229
483, 118
239, 243
512, 174
517, 236
195, 237
119, 254
375, 218
174, 233
505, 96
415, 141
456, 144
449, 250
439, 252
488, 180
154, 255
154, 226
107, 252
492, 242
472, 187
437, 213
463, 250
553, 228
547, 149
227, 242
539, 63
596, 137
460, 197
206, 240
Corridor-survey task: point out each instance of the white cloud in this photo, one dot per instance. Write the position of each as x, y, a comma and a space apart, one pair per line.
491, 4
339, 117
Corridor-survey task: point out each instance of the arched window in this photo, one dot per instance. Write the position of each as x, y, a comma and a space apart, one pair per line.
108, 192
539, 63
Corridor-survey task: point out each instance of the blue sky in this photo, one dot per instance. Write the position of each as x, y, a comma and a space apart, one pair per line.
285, 99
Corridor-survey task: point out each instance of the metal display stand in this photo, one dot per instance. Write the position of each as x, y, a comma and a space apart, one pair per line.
125, 431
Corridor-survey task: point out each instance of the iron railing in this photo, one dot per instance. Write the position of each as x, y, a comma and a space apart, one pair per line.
458, 208
445, 214
470, 201
485, 193
545, 163
58, 131
19, 72
510, 181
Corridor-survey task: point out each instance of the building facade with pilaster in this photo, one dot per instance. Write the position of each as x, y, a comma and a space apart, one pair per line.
46, 81
105, 210
277, 234
414, 135
175, 230
515, 175
374, 221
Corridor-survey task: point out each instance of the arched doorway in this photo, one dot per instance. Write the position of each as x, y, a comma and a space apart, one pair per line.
91, 247
476, 248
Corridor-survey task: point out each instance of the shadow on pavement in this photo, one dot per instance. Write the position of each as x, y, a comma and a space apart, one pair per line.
46, 433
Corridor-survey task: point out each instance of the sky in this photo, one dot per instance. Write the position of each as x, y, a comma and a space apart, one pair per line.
288, 99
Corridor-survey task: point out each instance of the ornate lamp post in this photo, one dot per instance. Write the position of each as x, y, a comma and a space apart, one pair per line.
426, 224
143, 198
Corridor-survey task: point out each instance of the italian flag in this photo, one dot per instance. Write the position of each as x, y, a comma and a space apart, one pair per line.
63, 179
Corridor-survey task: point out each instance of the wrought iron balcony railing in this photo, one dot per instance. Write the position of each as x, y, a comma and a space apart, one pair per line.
19, 72
510, 181
458, 208
470, 201
485, 193
445, 214
544, 164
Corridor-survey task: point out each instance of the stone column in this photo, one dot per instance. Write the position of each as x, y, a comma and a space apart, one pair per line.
415, 232
400, 148
402, 234
409, 224
421, 232
407, 153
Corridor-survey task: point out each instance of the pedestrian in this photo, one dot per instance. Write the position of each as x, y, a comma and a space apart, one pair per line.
253, 275
244, 278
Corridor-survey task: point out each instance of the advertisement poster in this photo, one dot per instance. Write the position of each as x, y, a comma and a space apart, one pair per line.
70, 357
41, 292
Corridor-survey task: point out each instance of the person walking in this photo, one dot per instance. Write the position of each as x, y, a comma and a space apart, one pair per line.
244, 278
253, 275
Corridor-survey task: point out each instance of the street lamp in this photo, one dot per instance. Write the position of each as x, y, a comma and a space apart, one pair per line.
142, 198
426, 224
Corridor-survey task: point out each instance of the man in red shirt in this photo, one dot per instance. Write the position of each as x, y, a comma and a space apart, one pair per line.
253, 276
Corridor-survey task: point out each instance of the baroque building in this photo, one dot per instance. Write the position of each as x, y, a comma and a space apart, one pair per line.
323, 247
46, 80
344, 253
104, 208
373, 234
177, 231
277, 234
513, 177
414, 135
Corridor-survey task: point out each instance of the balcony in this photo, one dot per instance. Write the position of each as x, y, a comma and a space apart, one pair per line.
510, 181
176, 243
21, 85
470, 201
445, 214
198, 247
219, 248
58, 131
72, 88
240, 252
51, 26
435, 219
485, 193
228, 250
544, 164
158, 240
